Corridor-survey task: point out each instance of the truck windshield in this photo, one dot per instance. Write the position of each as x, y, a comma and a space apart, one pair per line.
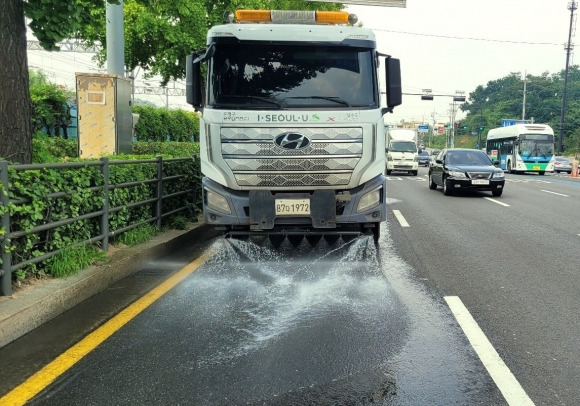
403, 146
291, 76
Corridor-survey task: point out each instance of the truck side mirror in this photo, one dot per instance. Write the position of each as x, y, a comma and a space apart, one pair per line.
193, 83
394, 88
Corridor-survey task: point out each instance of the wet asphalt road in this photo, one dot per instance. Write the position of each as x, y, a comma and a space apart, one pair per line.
329, 325
341, 324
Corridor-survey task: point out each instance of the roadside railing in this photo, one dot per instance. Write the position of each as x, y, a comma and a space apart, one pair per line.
183, 198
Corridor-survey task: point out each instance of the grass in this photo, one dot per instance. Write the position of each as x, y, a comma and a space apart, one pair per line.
73, 259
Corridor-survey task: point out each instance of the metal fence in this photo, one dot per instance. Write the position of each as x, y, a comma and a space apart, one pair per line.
187, 198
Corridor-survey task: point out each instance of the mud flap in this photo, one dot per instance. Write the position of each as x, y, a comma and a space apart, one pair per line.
263, 208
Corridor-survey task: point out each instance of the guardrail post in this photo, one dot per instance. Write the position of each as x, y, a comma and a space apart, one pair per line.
105, 171
158, 206
6, 266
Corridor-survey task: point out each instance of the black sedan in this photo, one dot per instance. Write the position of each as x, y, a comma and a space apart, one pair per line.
457, 169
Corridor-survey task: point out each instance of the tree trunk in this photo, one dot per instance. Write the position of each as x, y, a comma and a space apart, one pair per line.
15, 105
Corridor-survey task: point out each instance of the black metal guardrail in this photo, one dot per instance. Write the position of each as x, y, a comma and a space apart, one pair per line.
7, 267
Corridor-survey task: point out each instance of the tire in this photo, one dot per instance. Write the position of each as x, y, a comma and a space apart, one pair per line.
432, 185
509, 167
388, 172
376, 233
414, 173
542, 173
557, 171
497, 192
446, 190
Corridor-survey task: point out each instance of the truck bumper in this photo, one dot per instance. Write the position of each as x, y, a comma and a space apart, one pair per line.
329, 209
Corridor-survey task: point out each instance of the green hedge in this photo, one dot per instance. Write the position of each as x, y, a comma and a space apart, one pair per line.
156, 124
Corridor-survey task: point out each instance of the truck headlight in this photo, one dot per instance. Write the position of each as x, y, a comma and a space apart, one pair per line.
217, 202
369, 200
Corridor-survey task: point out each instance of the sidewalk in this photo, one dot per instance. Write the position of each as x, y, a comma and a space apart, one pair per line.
25, 310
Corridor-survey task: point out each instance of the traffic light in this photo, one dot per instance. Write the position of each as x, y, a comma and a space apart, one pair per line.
464, 127
481, 128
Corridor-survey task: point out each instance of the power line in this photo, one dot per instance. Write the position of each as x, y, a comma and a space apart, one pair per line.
466, 38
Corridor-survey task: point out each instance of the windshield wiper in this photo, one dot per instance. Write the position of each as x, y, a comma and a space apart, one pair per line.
335, 99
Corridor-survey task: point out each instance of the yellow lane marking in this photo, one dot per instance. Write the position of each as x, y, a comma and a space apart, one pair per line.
41, 379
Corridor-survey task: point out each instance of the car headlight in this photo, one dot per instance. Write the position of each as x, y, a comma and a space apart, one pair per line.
498, 175
217, 202
369, 200
457, 174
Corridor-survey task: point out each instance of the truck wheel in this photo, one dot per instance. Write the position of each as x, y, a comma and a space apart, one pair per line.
414, 173
432, 185
376, 233
388, 172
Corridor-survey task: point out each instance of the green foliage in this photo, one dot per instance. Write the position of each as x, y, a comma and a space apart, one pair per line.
73, 259
158, 124
51, 112
32, 206
503, 99
136, 235
166, 149
47, 149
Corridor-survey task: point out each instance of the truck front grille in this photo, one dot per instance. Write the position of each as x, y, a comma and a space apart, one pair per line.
257, 161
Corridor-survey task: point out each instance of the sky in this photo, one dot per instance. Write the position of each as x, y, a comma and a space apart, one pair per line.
458, 45
443, 45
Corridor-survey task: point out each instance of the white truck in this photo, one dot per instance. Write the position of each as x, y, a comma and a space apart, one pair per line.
402, 151
291, 129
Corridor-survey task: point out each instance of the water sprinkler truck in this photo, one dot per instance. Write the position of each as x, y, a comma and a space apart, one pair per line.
292, 136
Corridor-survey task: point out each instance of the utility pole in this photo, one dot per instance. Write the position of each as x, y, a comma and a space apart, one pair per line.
115, 39
571, 6
524, 102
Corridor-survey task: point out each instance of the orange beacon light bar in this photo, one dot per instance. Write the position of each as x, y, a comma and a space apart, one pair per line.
295, 17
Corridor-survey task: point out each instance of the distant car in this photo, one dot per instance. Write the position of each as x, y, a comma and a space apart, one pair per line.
562, 164
423, 157
457, 169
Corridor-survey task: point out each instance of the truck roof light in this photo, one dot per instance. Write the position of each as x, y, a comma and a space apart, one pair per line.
294, 17
253, 16
332, 17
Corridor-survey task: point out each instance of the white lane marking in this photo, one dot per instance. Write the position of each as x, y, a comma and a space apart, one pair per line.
393, 178
554, 193
496, 201
506, 382
401, 219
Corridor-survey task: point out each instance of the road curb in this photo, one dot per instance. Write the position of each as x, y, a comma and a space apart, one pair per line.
27, 310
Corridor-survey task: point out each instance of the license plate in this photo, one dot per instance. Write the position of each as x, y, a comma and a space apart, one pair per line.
536, 168
480, 182
290, 207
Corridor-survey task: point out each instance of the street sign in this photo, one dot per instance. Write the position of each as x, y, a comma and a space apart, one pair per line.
423, 128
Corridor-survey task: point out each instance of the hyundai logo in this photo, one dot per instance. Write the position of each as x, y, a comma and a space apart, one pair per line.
292, 141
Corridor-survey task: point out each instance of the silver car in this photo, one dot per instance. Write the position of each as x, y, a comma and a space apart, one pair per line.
562, 164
